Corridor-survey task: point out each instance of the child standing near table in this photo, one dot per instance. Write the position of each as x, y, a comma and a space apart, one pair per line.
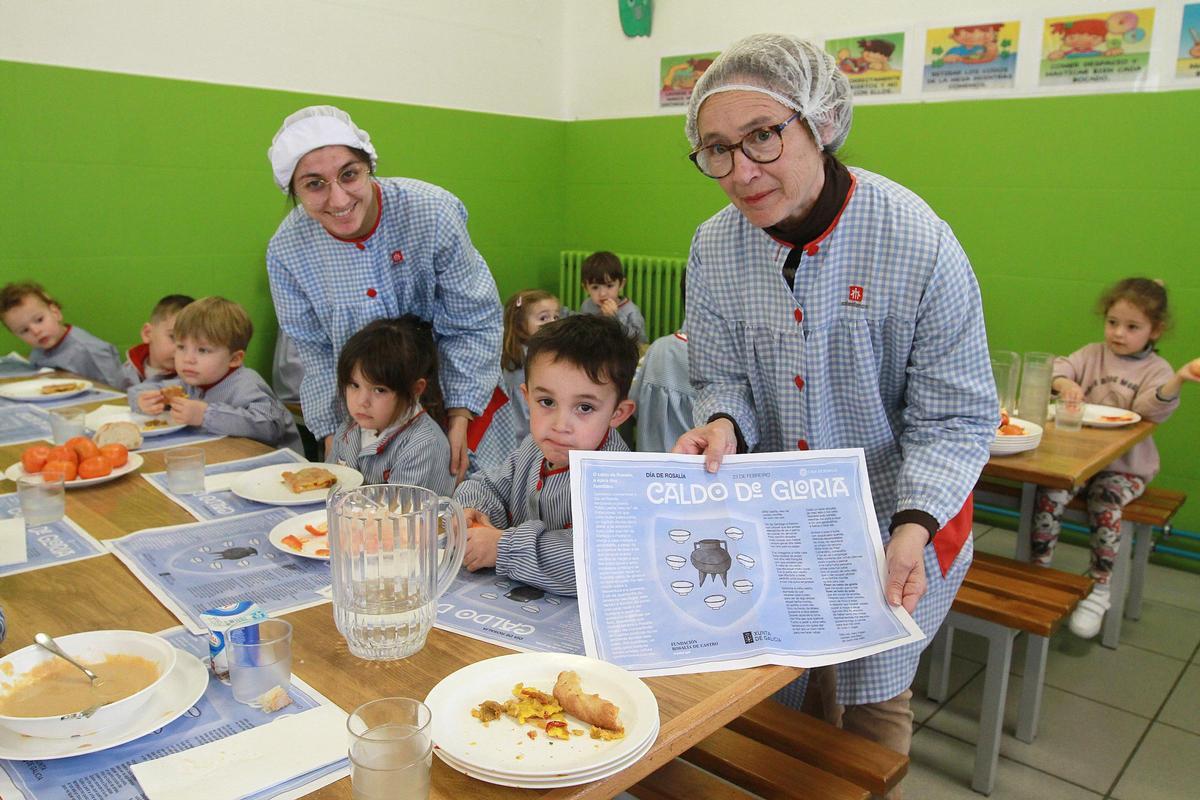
221, 395
36, 318
1122, 371
577, 377
604, 280
154, 359
387, 376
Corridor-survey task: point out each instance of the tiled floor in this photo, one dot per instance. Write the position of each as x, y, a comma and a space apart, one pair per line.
1122, 724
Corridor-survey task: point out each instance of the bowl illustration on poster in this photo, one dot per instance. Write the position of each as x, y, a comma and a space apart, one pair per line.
679, 535
743, 586
715, 601
735, 533
745, 560
676, 562
682, 588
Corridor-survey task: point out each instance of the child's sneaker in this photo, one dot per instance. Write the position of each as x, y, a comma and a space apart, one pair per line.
1089, 614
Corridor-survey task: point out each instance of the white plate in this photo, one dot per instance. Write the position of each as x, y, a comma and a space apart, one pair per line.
494, 749
16, 471
265, 484
548, 783
32, 390
103, 414
1093, 416
180, 690
295, 527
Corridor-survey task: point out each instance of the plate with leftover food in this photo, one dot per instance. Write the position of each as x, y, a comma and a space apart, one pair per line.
1097, 416
306, 536
295, 484
42, 389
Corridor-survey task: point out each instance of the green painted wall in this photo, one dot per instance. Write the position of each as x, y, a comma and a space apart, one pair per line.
1052, 198
125, 188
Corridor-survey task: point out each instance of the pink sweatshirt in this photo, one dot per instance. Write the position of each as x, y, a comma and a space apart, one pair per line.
1125, 382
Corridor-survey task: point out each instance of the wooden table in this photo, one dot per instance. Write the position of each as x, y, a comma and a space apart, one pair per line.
1063, 460
101, 593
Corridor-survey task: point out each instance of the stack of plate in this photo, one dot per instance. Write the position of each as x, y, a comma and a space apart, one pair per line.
503, 753
1004, 445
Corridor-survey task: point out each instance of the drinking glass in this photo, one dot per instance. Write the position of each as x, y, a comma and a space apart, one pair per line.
66, 423
391, 751
185, 470
1006, 370
393, 551
43, 500
260, 658
1037, 370
1068, 415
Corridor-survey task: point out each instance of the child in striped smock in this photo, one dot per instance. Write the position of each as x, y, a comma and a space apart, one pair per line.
604, 280
577, 377
387, 376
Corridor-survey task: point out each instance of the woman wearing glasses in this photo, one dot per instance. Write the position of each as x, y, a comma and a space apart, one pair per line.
357, 248
830, 307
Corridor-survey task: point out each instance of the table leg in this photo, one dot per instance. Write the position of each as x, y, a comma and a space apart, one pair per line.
1137, 575
1110, 633
1025, 523
1036, 650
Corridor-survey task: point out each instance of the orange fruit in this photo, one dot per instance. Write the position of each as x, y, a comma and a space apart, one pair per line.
94, 467
34, 458
64, 468
62, 453
117, 454
83, 447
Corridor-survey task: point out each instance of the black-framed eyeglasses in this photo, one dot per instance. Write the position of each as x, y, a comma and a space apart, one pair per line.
761, 145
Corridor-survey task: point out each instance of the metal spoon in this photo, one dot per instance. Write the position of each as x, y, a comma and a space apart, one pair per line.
44, 641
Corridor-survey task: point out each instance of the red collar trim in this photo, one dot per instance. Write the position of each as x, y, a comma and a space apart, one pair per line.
382, 444
681, 336
54, 346
817, 241
375, 227
621, 304
137, 356
544, 473
209, 386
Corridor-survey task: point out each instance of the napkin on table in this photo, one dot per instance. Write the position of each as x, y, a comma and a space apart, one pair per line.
12, 541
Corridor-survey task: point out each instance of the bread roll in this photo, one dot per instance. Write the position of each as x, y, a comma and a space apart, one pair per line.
120, 432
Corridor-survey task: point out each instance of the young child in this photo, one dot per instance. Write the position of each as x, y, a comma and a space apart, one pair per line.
223, 396
154, 359
387, 375
604, 280
577, 376
663, 392
36, 319
1122, 371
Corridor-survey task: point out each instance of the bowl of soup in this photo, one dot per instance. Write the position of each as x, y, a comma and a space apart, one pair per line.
42, 695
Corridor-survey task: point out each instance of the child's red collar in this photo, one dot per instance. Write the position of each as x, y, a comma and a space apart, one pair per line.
206, 387
52, 347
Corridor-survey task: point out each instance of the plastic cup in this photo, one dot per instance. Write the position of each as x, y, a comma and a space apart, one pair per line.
43, 500
391, 751
1036, 373
185, 470
260, 658
66, 423
1068, 415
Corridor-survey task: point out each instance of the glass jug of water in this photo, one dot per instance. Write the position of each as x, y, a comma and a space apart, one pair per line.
393, 550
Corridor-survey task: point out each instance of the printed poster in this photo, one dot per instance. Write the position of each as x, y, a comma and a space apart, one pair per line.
975, 56
48, 545
492, 608
1105, 47
1187, 64
872, 63
677, 75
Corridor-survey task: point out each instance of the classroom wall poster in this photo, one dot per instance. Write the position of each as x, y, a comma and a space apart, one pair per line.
979, 55
1105, 47
872, 63
1187, 64
677, 76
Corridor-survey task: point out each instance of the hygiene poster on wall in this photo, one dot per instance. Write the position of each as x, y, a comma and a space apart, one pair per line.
1106, 47
677, 76
874, 63
1187, 63
975, 56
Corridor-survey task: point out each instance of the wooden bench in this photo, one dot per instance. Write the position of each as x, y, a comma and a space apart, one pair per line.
779, 752
1000, 599
1156, 507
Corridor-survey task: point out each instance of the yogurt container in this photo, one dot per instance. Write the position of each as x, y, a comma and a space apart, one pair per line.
218, 621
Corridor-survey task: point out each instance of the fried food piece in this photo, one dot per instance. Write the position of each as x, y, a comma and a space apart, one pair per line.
59, 388
1011, 430
591, 708
151, 424
173, 392
488, 710
308, 479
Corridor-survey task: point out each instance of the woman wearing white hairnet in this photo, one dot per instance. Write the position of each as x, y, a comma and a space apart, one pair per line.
830, 307
358, 248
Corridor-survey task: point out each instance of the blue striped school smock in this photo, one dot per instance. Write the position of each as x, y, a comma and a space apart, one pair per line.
84, 354
414, 452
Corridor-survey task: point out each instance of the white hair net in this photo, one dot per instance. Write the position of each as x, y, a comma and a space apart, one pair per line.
308, 129
794, 71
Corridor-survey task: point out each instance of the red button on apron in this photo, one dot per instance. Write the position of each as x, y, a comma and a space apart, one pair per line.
799, 316
371, 292
360, 245
812, 250
397, 256
799, 382
802, 444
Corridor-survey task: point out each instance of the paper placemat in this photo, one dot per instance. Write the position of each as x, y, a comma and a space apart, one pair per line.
48, 545
21, 422
221, 502
182, 438
17, 366
215, 716
90, 396
194, 567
